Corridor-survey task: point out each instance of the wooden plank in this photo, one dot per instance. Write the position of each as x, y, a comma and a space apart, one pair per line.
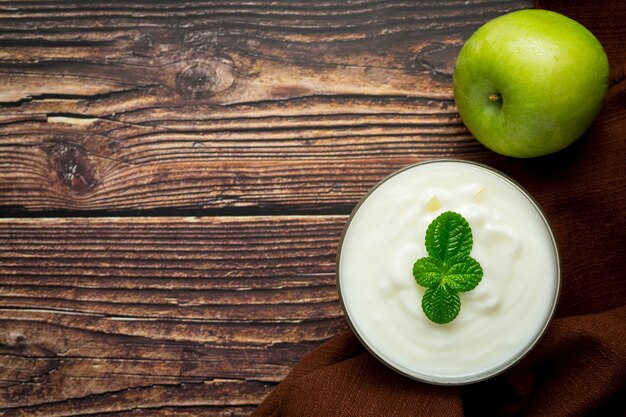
160, 316
255, 105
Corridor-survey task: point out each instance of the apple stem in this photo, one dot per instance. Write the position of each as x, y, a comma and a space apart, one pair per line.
495, 97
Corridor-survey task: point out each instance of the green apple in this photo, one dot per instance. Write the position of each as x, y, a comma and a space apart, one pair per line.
530, 82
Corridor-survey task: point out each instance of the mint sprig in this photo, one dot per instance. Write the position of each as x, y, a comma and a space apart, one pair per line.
448, 269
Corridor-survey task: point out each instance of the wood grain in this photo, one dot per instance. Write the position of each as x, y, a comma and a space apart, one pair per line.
160, 315
256, 106
216, 108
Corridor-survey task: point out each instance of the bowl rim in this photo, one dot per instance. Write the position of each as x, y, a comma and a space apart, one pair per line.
480, 375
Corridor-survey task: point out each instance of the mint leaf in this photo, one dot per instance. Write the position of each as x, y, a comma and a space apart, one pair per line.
449, 236
463, 275
448, 269
441, 304
427, 272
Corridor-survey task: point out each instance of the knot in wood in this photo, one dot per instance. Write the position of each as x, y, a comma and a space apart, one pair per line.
196, 81
17, 337
144, 46
73, 168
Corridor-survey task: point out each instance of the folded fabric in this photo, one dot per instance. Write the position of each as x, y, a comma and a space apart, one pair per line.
579, 367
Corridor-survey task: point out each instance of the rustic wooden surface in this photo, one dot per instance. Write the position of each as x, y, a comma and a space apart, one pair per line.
230, 140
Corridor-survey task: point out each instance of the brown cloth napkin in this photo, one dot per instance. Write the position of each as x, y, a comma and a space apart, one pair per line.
579, 367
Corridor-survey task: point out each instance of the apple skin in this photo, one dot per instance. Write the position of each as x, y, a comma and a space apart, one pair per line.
530, 82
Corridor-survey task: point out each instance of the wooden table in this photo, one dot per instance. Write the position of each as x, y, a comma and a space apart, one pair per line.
174, 178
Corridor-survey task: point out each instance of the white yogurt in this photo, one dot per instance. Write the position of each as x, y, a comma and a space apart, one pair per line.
500, 319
